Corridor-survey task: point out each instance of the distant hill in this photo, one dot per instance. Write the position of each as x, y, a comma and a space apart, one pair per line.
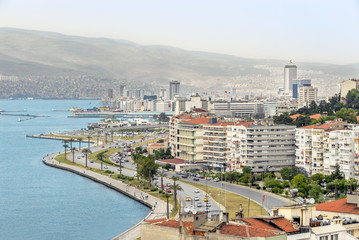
27, 53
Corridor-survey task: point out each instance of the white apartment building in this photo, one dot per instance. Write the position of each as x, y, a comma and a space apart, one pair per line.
261, 147
215, 145
320, 147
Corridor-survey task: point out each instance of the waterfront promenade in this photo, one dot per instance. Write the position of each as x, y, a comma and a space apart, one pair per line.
157, 206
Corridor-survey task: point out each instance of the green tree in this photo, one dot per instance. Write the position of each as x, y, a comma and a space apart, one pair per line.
301, 183
302, 121
283, 119
353, 184
65, 145
247, 169
167, 196
317, 178
286, 173
315, 191
162, 174
162, 117
86, 151
148, 168
347, 114
336, 182
175, 179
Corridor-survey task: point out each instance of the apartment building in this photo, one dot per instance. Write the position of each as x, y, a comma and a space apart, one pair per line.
320, 147
215, 145
306, 95
261, 147
186, 135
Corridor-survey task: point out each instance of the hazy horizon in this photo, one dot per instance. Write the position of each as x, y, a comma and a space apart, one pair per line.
305, 31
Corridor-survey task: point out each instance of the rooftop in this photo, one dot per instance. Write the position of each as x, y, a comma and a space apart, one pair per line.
201, 120
339, 205
173, 161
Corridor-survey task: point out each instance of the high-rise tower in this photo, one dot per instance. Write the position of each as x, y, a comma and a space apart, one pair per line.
290, 73
174, 89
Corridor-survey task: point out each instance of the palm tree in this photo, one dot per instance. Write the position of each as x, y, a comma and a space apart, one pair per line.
336, 182
167, 196
86, 151
65, 146
175, 187
162, 174
352, 183
72, 149
79, 139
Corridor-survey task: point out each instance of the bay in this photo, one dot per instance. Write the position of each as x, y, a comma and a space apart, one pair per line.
40, 202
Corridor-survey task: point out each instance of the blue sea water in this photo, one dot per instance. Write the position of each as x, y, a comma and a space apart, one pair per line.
40, 202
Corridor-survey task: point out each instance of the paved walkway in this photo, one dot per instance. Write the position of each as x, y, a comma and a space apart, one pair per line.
158, 207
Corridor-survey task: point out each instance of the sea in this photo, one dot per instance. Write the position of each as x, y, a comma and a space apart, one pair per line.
40, 202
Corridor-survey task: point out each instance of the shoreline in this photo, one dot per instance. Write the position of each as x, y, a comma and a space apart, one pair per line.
157, 206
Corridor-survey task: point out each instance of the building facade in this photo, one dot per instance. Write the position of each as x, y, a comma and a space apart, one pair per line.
306, 95
174, 89
290, 73
261, 147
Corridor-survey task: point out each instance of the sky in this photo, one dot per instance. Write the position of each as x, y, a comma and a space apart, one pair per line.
302, 30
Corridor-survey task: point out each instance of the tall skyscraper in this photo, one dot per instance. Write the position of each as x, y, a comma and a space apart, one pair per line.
297, 83
174, 89
290, 73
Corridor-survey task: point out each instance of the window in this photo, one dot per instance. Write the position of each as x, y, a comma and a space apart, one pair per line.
324, 238
334, 237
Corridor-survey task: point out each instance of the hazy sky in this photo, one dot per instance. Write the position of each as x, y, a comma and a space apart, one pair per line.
302, 30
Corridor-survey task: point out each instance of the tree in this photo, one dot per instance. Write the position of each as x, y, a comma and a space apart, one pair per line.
317, 178
353, 184
86, 151
336, 182
163, 117
347, 114
72, 150
162, 174
175, 178
286, 173
65, 145
175, 187
80, 140
315, 191
167, 196
300, 182
247, 169
302, 121
148, 168
283, 119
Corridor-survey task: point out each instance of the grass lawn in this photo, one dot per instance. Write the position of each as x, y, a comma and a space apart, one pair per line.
233, 201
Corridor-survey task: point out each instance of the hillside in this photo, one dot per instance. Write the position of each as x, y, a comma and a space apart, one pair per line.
42, 58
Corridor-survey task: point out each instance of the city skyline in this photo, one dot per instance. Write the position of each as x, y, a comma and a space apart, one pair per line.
320, 31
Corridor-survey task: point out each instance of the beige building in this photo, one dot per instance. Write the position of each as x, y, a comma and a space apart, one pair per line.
306, 95
348, 85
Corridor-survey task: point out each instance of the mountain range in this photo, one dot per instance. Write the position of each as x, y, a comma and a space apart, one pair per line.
42, 58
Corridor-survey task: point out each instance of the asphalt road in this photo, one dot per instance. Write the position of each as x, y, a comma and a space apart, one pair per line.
270, 200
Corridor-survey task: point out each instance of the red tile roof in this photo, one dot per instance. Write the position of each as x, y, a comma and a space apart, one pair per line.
258, 223
155, 145
340, 205
284, 224
184, 116
315, 116
245, 124
173, 161
324, 126
247, 231
222, 124
201, 120
295, 116
175, 224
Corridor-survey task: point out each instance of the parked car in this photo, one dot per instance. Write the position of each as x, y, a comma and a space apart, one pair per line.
196, 179
196, 190
196, 198
199, 204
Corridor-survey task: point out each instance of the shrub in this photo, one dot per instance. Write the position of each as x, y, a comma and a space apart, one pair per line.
277, 190
258, 187
264, 187
154, 189
286, 192
145, 188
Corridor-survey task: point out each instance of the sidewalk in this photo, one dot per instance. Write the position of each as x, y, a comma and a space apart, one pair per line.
158, 207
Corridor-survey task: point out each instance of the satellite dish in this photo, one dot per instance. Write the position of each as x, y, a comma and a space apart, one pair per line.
194, 212
311, 201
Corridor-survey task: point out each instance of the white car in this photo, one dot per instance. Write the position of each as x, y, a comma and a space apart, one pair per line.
196, 198
196, 190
